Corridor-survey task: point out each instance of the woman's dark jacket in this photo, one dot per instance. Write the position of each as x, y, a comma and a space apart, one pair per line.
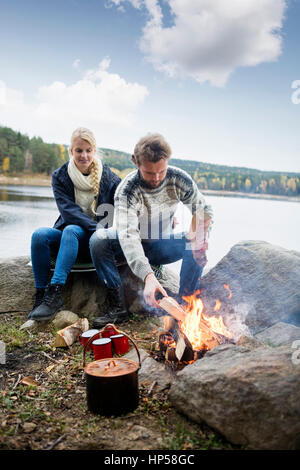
70, 212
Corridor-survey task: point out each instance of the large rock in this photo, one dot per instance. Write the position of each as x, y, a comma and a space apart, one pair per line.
264, 280
251, 397
82, 294
156, 373
279, 334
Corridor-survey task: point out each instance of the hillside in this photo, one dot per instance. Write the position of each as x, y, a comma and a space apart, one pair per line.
20, 155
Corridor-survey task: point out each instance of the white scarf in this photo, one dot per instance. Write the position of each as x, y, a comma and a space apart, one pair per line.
83, 188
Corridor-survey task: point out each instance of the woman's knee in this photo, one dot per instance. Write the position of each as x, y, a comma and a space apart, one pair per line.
73, 230
40, 235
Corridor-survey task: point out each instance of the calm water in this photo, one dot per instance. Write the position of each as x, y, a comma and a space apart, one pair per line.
25, 208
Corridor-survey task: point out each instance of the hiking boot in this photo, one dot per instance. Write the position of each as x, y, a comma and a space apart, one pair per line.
116, 312
50, 305
38, 297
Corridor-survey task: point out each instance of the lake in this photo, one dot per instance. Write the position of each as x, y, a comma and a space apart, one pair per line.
25, 208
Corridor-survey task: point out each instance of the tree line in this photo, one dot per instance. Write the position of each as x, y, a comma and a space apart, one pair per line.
19, 154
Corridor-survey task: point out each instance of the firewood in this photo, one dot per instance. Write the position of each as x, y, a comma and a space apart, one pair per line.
67, 336
172, 308
171, 355
184, 349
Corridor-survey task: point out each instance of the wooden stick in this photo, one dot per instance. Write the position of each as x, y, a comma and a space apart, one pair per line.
56, 442
172, 308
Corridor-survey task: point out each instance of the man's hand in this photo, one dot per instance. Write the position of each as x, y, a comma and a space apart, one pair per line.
199, 254
151, 287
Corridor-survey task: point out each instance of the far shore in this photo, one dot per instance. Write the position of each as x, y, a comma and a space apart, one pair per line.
43, 180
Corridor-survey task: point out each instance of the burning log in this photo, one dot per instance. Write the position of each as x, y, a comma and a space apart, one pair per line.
171, 355
173, 342
184, 350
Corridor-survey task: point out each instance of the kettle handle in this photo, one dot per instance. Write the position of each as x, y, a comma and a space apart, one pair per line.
117, 331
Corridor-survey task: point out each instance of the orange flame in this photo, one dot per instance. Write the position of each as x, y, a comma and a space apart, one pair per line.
227, 287
217, 306
199, 328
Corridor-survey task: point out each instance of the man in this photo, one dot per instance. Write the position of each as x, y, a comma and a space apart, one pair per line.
145, 203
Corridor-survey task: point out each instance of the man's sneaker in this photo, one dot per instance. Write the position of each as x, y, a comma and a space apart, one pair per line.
50, 305
38, 297
116, 312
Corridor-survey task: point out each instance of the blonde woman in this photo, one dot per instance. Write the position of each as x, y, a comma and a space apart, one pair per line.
79, 186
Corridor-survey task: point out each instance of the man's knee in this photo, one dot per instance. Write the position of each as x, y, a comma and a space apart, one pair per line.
99, 242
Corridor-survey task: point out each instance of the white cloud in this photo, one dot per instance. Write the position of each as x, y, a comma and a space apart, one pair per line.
76, 63
209, 39
99, 99
9, 98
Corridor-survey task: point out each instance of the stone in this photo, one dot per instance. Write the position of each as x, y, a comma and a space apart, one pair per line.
132, 355
64, 318
249, 396
264, 281
17, 285
249, 342
29, 427
29, 325
138, 432
83, 294
153, 371
279, 334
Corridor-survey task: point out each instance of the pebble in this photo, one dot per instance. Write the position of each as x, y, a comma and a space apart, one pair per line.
29, 427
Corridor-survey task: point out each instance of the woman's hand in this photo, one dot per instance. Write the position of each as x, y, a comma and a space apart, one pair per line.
151, 287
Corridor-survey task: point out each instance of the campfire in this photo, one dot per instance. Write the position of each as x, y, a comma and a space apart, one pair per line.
187, 332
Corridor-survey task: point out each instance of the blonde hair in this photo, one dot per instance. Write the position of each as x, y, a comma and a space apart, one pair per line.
86, 134
152, 148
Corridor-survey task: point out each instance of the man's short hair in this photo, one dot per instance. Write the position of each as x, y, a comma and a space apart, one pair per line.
152, 148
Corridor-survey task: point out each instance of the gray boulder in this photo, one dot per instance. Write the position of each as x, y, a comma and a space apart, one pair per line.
250, 396
279, 334
264, 280
83, 294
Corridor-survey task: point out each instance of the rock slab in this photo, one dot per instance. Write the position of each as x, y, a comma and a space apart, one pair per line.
264, 281
249, 396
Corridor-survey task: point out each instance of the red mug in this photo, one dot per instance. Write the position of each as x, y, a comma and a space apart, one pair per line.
120, 344
108, 332
85, 336
102, 348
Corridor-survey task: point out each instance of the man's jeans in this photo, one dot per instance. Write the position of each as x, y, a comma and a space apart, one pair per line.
106, 250
47, 241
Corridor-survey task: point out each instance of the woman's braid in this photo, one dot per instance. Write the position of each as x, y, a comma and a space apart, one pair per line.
94, 172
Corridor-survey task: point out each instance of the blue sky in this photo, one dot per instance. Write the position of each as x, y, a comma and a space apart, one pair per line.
213, 76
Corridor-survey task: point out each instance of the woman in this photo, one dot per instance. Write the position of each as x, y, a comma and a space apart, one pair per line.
79, 187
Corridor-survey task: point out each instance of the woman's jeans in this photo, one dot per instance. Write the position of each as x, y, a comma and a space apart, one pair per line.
67, 244
106, 250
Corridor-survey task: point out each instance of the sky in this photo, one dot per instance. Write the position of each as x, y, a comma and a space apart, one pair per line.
219, 79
